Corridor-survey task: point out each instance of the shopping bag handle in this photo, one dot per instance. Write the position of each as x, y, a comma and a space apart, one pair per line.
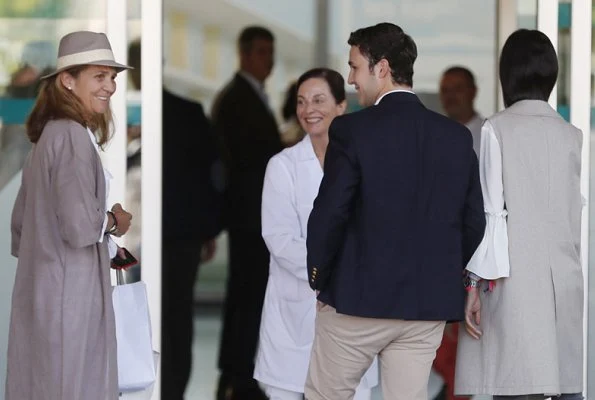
120, 280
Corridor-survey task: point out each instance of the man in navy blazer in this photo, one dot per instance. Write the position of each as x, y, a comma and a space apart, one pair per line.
398, 215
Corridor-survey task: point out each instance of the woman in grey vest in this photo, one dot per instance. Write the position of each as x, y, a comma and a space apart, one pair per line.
523, 336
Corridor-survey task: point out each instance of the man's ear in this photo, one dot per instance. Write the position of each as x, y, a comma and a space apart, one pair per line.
382, 68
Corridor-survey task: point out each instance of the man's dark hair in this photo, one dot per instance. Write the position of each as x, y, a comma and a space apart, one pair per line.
387, 41
457, 69
335, 81
528, 67
134, 60
250, 34
134, 53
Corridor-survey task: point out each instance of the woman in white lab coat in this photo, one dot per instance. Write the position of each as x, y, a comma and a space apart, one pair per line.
290, 186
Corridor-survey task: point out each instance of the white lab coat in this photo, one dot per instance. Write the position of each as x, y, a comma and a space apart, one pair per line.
291, 184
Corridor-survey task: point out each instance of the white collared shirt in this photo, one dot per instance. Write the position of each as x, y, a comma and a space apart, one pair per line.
392, 91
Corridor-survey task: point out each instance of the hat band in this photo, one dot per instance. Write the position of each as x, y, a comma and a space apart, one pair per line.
84, 57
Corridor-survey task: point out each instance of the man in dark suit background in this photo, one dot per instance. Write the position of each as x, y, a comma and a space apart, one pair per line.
191, 219
248, 130
398, 215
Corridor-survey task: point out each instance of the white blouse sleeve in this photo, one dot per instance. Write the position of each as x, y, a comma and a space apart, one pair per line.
112, 247
490, 260
281, 229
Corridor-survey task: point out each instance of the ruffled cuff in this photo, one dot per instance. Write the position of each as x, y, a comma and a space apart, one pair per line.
490, 260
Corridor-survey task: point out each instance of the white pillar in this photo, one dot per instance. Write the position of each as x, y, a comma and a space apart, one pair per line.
152, 78
321, 45
506, 24
114, 158
547, 22
580, 111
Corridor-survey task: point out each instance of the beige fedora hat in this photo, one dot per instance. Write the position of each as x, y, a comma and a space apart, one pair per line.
85, 48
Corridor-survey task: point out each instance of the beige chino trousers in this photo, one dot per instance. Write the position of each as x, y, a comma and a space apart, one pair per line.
344, 347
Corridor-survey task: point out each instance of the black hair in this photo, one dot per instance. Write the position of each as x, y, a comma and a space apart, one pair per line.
388, 41
528, 67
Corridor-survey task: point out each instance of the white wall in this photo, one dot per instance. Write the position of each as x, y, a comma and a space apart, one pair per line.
7, 270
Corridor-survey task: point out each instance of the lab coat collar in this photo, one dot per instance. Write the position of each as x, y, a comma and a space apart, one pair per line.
305, 149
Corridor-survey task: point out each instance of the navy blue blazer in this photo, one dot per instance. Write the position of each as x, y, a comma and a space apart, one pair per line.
398, 215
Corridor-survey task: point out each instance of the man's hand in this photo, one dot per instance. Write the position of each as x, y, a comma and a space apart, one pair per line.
473, 313
319, 304
208, 250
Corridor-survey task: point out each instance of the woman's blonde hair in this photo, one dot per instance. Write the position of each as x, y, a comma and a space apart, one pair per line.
54, 102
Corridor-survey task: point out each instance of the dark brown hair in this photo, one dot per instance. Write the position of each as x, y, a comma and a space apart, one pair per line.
466, 72
388, 41
252, 33
335, 81
54, 102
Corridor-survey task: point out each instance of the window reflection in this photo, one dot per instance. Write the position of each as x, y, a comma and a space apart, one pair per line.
37, 59
29, 34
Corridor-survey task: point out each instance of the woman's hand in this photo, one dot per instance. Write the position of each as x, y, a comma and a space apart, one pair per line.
123, 219
473, 313
121, 253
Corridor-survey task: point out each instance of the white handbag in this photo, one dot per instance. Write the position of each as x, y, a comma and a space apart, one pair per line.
136, 361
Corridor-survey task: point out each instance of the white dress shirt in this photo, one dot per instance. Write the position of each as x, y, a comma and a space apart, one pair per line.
111, 245
291, 184
490, 260
474, 126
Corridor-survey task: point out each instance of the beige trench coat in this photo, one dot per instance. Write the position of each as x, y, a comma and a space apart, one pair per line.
62, 342
532, 322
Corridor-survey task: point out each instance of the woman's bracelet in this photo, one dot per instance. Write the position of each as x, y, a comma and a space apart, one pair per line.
114, 227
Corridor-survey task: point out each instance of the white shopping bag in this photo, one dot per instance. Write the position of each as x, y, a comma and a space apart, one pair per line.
145, 394
136, 365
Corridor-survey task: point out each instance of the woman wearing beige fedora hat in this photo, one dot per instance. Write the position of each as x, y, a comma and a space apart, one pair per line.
62, 341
